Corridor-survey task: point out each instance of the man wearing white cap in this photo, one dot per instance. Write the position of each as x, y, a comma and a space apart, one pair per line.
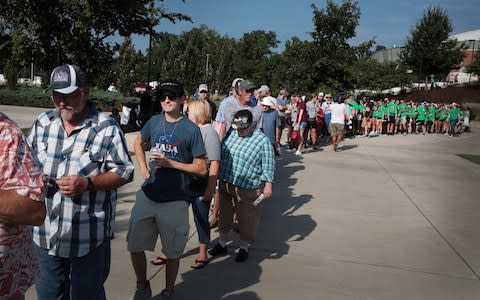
271, 122
245, 92
219, 120
85, 157
203, 92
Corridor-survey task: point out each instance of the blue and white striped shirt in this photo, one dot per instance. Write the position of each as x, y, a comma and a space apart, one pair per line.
75, 226
247, 162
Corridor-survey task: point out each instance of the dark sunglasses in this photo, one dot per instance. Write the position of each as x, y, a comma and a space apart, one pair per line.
163, 97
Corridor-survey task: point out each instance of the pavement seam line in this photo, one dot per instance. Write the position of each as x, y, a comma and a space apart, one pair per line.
427, 219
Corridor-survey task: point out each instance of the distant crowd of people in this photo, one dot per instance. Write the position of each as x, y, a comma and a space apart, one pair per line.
373, 117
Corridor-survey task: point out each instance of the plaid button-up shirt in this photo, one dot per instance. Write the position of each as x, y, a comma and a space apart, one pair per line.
247, 162
75, 226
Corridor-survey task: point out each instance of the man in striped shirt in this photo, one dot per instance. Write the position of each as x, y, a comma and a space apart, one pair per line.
246, 172
84, 155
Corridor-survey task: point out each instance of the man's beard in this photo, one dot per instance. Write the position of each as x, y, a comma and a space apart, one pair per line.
72, 113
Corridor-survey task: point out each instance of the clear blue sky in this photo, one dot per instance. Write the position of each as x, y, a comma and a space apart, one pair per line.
388, 21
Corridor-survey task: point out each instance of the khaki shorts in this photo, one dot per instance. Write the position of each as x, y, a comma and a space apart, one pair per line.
366, 122
337, 129
150, 219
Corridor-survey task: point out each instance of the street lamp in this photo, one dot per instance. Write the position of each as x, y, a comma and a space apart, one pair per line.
206, 69
471, 62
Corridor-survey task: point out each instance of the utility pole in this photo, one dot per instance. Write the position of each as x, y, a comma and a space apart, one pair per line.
473, 57
149, 67
206, 69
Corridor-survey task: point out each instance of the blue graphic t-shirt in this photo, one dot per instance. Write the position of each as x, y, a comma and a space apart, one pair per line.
180, 141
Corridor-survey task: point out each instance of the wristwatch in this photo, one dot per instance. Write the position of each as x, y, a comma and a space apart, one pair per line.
90, 185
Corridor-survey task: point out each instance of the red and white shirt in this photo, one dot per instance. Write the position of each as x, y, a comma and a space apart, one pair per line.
19, 172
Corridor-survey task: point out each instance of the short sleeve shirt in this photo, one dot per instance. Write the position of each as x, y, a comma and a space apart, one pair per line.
301, 106
18, 172
211, 142
180, 141
234, 106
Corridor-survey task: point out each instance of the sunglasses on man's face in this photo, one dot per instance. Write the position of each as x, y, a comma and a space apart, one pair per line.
172, 97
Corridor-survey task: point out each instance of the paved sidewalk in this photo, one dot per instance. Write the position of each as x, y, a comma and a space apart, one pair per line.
390, 217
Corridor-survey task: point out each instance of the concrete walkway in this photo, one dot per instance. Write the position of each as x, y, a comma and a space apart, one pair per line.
391, 217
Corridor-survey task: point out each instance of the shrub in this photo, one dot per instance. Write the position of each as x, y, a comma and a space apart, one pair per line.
34, 97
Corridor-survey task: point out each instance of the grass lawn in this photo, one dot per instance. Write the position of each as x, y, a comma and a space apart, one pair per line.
472, 158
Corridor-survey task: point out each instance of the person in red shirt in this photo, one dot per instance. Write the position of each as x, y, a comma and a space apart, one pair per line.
301, 122
22, 190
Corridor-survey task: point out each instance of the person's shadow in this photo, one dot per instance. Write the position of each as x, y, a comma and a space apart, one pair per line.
279, 229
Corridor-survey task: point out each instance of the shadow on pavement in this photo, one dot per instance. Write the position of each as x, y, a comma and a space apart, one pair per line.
278, 230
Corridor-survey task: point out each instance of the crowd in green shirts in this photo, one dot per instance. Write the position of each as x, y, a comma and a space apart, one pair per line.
393, 116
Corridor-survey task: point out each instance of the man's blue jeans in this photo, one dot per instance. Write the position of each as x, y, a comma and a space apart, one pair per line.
453, 123
75, 278
201, 210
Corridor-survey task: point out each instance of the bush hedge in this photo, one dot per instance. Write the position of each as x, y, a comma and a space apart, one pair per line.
34, 97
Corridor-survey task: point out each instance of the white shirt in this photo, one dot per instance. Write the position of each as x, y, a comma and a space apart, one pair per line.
338, 113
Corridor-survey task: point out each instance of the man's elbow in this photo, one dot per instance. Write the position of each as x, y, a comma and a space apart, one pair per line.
203, 168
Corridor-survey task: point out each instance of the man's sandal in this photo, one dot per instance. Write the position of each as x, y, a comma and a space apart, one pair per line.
158, 261
199, 264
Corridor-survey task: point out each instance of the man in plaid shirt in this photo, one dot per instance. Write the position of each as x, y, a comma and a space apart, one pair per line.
246, 172
84, 155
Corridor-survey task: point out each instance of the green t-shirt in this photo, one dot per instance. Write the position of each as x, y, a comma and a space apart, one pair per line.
375, 114
454, 114
382, 109
421, 113
403, 108
354, 104
413, 113
361, 108
442, 114
431, 113
392, 109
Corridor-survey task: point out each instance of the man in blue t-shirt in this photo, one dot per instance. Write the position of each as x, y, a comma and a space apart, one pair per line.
271, 122
161, 207
282, 103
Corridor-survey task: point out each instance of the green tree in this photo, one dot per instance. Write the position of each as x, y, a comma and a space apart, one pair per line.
428, 49
300, 58
368, 74
334, 26
127, 67
52, 32
253, 53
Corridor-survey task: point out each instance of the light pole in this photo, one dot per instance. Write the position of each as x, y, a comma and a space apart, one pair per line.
471, 62
206, 69
149, 67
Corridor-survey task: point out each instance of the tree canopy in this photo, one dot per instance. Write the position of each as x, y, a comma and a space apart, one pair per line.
429, 50
53, 32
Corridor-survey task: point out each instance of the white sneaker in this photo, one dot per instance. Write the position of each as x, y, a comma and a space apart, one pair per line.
298, 153
143, 293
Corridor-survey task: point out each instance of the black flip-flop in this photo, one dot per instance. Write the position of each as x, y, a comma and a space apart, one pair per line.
199, 264
158, 261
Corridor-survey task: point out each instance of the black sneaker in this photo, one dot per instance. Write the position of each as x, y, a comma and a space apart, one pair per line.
217, 250
242, 255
